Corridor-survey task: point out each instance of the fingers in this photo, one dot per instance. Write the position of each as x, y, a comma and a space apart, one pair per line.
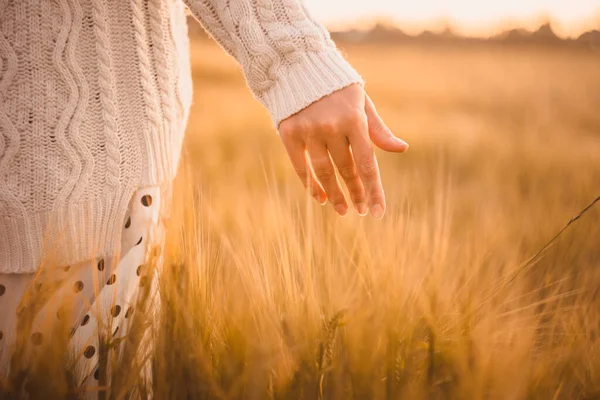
342, 157
325, 173
340, 128
368, 170
296, 152
380, 134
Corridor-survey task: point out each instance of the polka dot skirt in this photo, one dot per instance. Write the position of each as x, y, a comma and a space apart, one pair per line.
102, 286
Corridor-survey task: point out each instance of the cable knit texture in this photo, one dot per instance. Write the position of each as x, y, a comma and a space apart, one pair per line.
94, 99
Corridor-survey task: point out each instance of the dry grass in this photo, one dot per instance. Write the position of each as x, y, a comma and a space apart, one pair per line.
268, 295
290, 301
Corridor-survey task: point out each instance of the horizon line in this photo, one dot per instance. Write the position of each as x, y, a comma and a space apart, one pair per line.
483, 30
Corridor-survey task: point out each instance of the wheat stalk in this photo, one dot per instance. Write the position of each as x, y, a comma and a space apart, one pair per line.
531, 261
326, 348
527, 265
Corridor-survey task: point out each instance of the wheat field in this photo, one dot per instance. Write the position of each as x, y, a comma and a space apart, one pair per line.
284, 299
266, 294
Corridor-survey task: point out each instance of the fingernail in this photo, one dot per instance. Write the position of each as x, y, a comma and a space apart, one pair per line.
320, 199
377, 211
402, 142
341, 209
362, 209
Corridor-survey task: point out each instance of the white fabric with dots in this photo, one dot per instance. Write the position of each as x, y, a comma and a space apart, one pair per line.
100, 287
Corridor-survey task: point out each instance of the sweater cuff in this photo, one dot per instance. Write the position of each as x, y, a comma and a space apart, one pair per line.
309, 79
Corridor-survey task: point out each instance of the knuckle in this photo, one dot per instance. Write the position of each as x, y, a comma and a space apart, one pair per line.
341, 122
327, 127
368, 168
348, 172
332, 125
325, 174
354, 118
291, 127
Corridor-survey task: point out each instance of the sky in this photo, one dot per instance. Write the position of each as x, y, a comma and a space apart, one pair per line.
469, 17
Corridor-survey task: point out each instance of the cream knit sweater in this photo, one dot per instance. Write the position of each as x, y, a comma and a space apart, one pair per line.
94, 99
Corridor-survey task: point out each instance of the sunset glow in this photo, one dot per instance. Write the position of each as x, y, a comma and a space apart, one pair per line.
469, 17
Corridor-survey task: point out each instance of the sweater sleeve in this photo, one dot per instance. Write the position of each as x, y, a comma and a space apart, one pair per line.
288, 58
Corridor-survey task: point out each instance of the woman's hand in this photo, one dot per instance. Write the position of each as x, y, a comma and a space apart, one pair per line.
340, 128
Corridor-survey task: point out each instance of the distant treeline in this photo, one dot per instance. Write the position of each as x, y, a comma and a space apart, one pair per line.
385, 33
543, 36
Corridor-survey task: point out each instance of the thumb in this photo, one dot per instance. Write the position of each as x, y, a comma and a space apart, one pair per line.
380, 134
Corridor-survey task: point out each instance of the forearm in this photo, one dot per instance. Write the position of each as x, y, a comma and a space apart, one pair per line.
288, 58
